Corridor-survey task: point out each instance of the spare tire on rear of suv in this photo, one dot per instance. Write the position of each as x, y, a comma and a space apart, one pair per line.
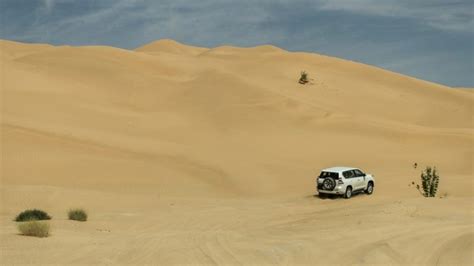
329, 183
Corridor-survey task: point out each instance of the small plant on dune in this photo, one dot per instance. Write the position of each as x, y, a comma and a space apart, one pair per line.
77, 215
31, 215
34, 228
303, 78
429, 182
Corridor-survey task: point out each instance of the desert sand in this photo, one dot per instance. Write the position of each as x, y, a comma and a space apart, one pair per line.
465, 89
190, 155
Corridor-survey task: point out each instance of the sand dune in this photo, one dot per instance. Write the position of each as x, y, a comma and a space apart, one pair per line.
171, 46
193, 155
468, 90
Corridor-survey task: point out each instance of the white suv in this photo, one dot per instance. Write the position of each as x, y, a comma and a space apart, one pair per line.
344, 181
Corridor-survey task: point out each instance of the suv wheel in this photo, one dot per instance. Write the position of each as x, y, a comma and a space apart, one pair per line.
348, 193
370, 188
329, 183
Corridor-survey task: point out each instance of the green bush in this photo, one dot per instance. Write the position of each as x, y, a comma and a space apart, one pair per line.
303, 78
34, 228
429, 182
77, 215
31, 215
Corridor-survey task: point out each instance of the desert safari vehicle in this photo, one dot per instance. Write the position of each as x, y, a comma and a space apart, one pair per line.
344, 181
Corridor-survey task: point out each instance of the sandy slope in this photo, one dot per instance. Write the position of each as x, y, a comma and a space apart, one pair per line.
470, 90
193, 155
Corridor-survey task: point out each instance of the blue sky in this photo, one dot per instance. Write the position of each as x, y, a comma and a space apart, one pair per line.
428, 39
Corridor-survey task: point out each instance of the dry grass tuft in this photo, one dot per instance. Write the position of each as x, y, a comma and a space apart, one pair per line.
34, 228
77, 215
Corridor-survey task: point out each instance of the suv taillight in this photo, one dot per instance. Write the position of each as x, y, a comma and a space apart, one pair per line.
340, 182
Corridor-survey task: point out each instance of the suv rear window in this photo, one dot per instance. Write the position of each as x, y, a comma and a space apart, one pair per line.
329, 174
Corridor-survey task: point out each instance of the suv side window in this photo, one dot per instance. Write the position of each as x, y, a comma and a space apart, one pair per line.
358, 172
348, 174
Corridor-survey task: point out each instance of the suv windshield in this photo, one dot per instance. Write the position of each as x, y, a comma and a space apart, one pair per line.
329, 174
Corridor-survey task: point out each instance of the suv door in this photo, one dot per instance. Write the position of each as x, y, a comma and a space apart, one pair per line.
359, 179
350, 178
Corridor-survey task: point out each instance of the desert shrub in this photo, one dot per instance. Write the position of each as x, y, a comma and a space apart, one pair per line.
303, 78
30, 215
77, 215
429, 182
34, 228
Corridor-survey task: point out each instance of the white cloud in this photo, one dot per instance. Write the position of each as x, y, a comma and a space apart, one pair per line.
48, 5
439, 14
